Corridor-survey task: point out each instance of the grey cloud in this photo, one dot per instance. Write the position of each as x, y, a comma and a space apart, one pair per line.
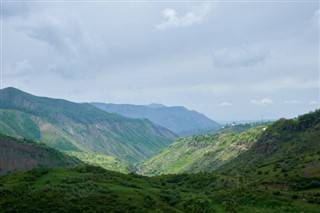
18, 69
289, 83
10, 9
74, 49
244, 56
196, 60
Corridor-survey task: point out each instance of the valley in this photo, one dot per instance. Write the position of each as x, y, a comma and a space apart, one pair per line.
59, 156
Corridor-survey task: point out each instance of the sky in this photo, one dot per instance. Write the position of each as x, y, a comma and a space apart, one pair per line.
226, 59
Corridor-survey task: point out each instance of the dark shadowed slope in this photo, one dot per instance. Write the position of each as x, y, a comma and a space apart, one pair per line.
18, 155
177, 119
71, 126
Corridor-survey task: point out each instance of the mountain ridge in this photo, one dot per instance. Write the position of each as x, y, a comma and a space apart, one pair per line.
73, 126
178, 119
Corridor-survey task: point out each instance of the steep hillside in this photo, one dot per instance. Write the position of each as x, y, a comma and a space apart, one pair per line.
19, 155
177, 119
71, 126
200, 153
288, 148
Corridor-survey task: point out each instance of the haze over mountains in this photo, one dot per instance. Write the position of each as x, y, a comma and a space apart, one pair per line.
176, 118
71, 126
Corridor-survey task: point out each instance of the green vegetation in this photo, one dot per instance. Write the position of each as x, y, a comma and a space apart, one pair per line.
71, 126
201, 152
104, 161
92, 189
287, 149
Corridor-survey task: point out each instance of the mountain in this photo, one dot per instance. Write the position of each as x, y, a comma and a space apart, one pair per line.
19, 155
278, 173
70, 126
177, 119
201, 153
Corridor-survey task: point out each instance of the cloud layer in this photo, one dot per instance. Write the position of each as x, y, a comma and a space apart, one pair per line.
226, 60
243, 56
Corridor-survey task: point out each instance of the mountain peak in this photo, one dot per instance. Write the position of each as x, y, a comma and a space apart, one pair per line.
10, 89
155, 105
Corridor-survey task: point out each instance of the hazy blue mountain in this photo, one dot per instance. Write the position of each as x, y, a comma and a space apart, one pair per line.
81, 127
176, 118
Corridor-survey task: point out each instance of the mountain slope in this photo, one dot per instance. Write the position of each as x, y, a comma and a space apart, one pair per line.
177, 119
288, 147
200, 153
71, 126
18, 155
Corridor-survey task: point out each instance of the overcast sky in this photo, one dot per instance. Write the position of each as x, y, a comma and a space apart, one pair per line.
230, 61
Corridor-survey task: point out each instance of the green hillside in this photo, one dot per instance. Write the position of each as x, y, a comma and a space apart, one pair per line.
288, 149
18, 155
71, 126
104, 161
201, 152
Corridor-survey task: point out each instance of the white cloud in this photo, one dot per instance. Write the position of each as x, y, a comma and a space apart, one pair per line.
173, 19
243, 56
313, 102
225, 104
262, 102
292, 102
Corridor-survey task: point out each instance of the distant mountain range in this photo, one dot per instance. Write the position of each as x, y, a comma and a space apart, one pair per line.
178, 119
19, 155
69, 126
